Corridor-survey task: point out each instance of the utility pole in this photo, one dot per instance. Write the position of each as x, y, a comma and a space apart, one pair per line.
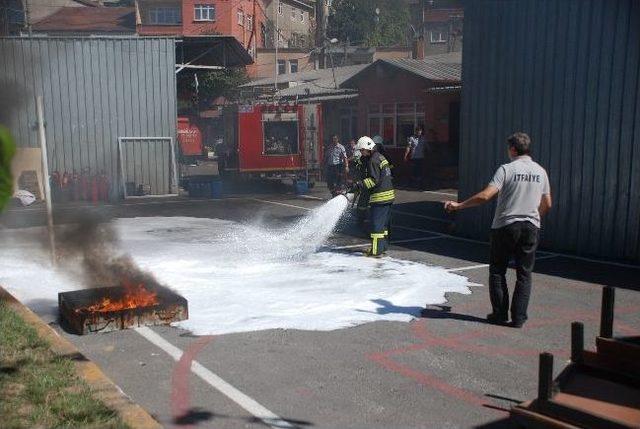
27, 17
45, 178
275, 41
322, 16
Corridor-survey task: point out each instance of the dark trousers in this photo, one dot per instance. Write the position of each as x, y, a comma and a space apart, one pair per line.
380, 217
335, 177
518, 240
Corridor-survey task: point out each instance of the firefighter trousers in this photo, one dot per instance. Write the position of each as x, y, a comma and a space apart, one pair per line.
380, 218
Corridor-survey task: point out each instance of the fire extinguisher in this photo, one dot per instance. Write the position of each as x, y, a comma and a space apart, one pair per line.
84, 184
75, 186
54, 182
94, 189
103, 187
65, 186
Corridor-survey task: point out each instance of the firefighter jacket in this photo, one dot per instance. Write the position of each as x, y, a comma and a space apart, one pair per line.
359, 174
379, 182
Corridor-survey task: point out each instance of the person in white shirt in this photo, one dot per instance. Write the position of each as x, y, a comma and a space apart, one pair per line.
336, 165
524, 196
416, 145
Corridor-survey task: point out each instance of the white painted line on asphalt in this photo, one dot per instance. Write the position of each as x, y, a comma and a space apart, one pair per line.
441, 193
244, 401
63, 207
280, 204
475, 267
408, 228
468, 268
547, 256
311, 197
409, 240
435, 219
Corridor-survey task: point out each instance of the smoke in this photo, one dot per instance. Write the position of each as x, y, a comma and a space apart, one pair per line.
91, 250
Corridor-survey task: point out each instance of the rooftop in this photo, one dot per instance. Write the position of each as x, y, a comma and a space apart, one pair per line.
89, 20
442, 68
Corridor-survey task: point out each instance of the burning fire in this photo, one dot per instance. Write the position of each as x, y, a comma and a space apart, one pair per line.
136, 296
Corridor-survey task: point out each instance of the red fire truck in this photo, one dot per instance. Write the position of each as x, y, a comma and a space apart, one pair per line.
273, 140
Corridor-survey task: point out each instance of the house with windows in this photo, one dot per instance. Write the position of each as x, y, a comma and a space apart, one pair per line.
295, 19
240, 19
295, 40
438, 26
397, 95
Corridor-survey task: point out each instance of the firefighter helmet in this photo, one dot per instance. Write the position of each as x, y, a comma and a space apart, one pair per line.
366, 143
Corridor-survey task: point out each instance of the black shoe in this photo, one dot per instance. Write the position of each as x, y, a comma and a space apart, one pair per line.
516, 324
496, 319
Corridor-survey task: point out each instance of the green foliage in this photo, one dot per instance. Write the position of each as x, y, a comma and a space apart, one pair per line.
7, 150
213, 84
41, 389
357, 21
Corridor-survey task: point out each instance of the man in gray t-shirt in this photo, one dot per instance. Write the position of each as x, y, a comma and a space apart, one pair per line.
524, 196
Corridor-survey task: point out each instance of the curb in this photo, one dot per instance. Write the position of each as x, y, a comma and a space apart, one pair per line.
106, 390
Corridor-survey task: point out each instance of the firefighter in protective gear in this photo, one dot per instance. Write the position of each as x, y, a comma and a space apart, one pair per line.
379, 183
359, 174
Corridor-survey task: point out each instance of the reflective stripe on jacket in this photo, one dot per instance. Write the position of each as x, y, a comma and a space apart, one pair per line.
379, 182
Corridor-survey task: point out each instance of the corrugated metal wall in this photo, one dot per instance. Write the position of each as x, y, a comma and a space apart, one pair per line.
567, 73
94, 91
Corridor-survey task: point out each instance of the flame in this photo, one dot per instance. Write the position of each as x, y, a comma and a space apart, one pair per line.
135, 297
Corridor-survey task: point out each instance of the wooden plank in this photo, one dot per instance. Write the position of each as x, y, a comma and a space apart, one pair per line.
527, 417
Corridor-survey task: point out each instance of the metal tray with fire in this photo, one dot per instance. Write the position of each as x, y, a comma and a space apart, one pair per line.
119, 307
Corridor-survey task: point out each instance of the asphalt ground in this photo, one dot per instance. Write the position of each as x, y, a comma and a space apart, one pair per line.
447, 369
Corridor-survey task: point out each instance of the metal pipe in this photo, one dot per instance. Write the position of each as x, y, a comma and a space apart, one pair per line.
545, 377
577, 342
607, 311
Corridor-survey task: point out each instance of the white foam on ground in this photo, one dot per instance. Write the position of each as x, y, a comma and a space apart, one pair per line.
240, 278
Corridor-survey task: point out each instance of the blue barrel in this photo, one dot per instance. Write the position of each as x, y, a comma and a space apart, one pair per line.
301, 187
216, 189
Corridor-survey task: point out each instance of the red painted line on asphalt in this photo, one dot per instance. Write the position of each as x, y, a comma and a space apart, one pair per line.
180, 398
458, 343
383, 360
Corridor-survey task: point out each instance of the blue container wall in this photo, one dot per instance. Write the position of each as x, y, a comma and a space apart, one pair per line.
567, 73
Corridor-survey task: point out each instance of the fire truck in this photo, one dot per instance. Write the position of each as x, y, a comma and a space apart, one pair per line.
273, 140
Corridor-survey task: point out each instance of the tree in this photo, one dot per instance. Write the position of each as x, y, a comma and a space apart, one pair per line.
7, 149
211, 84
370, 22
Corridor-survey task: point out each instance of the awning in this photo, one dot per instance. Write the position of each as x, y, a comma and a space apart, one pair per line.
210, 52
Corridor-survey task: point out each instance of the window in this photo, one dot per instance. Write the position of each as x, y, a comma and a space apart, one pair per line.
250, 21
395, 122
280, 134
263, 35
282, 66
438, 37
165, 15
204, 12
240, 15
279, 8
294, 14
293, 66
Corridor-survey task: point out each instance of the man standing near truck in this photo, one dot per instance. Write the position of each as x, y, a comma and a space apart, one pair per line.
336, 166
524, 197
